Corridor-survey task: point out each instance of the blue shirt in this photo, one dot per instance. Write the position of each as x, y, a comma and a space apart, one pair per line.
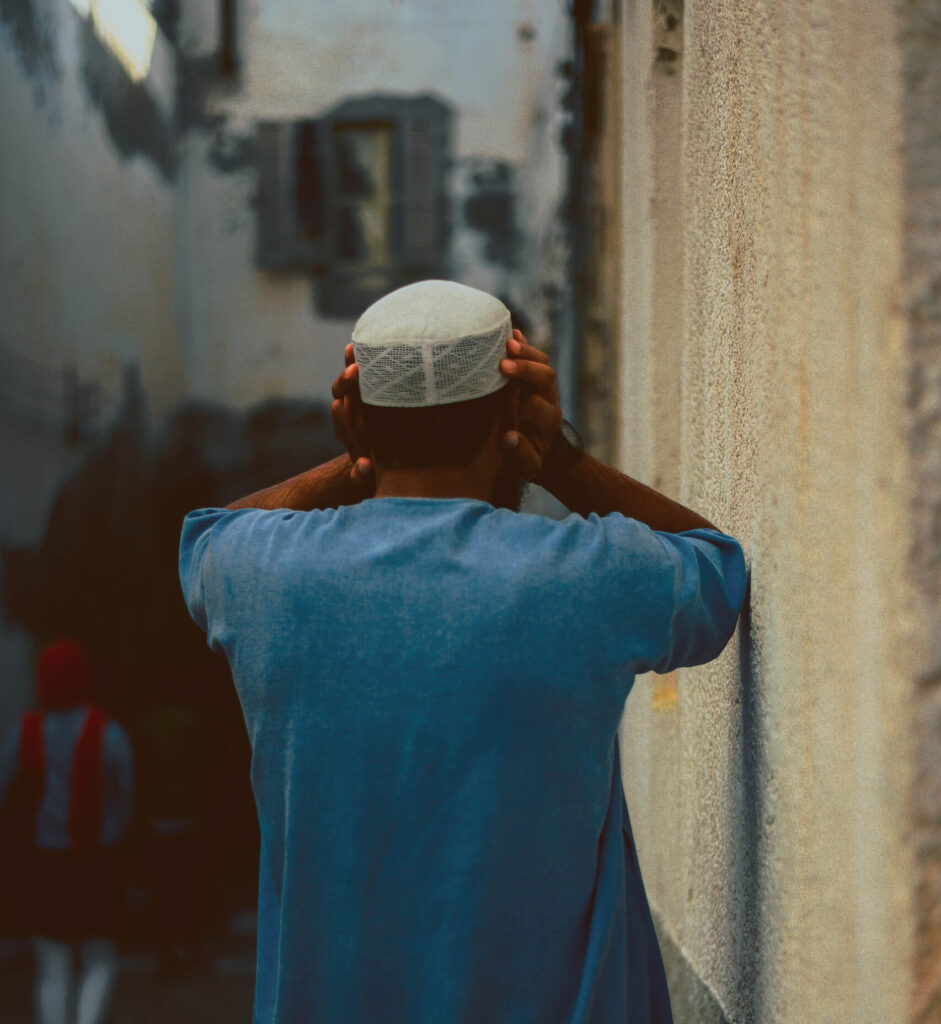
432, 690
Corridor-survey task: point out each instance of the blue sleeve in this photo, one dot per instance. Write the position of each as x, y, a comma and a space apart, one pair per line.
194, 550
687, 591
219, 550
204, 534
709, 582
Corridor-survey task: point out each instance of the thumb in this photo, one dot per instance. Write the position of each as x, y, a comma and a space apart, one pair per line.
521, 451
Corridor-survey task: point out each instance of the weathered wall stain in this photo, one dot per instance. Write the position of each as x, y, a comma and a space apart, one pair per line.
167, 15
135, 123
196, 77
231, 153
491, 209
34, 42
133, 120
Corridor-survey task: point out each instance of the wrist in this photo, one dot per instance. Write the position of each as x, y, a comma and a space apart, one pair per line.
563, 453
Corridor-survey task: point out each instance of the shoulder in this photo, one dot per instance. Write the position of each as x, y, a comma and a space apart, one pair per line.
592, 537
222, 530
244, 521
586, 553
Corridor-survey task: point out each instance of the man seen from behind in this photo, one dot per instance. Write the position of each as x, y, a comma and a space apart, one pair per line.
432, 684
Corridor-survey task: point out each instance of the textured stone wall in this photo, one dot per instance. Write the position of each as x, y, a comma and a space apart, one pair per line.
920, 45
771, 351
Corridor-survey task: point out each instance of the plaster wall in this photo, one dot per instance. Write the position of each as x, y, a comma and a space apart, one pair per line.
86, 271
764, 373
86, 232
484, 58
247, 334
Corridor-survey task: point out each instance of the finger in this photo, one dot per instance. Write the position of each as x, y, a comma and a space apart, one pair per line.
336, 410
540, 376
345, 384
348, 354
524, 454
518, 349
339, 425
362, 471
349, 423
545, 416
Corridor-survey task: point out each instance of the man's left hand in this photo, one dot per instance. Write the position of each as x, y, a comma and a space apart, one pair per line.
348, 425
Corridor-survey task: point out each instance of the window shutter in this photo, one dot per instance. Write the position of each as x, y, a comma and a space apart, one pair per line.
312, 185
422, 195
277, 213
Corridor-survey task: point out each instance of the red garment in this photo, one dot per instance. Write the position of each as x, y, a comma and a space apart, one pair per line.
85, 801
86, 796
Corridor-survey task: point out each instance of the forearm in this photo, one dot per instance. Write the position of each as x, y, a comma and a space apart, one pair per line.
326, 486
590, 485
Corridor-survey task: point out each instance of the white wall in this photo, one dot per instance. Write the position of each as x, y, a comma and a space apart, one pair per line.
247, 334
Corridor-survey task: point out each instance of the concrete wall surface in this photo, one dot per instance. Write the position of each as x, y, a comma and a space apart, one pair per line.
919, 33
780, 374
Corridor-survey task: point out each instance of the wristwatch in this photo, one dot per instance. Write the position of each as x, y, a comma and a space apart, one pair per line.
566, 449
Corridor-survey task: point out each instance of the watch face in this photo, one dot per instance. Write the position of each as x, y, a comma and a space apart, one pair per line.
570, 436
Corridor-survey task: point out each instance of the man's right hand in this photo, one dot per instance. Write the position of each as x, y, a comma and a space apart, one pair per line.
539, 412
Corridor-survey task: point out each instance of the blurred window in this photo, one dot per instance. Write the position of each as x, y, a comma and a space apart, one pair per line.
128, 27
363, 202
357, 197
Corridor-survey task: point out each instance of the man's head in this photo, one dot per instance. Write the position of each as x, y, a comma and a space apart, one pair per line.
433, 396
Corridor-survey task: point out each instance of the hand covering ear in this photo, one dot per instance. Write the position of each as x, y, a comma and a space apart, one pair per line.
348, 425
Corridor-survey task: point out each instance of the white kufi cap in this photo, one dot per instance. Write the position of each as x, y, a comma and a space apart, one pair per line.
431, 343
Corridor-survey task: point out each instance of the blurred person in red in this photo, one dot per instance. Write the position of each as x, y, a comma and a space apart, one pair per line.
67, 792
